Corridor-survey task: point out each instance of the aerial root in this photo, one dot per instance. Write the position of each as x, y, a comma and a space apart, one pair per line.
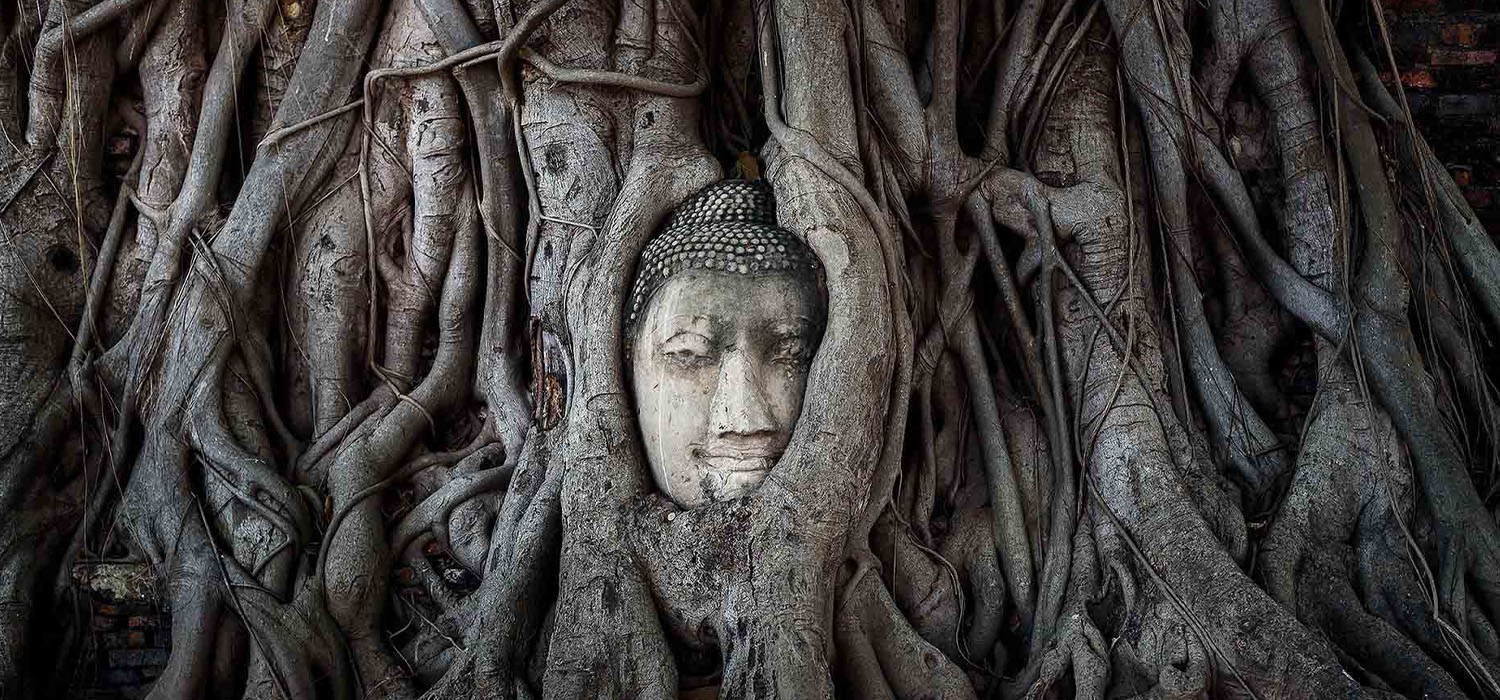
1381, 647
1076, 643
248, 476
509, 619
433, 513
1078, 646
878, 632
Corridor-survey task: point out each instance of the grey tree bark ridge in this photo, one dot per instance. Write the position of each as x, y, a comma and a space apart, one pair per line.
1147, 352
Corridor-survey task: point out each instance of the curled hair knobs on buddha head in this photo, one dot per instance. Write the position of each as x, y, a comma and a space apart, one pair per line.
728, 226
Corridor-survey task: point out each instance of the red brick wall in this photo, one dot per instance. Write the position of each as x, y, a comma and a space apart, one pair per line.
129, 632
1447, 51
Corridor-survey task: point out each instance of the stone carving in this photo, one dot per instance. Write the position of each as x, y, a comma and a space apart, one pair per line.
724, 318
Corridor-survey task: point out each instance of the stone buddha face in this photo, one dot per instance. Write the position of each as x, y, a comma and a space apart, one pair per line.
723, 327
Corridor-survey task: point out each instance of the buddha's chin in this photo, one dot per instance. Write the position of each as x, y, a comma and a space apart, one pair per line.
726, 478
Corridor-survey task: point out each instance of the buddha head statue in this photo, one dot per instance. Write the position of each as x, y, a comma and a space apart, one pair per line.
721, 326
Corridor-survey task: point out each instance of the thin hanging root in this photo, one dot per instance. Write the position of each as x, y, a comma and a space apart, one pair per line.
1303, 299
1059, 68
1026, 194
234, 598
279, 135
918, 511
1251, 447
1009, 514
1005, 495
1169, 118
1473, 248
1122, 345
104, 265
1020, 45
1026, 85
502, 52
1060, 530
299, 647
614, 79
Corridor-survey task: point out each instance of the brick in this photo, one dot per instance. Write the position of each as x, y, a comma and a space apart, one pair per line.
1465, 105
1463, 57
120, 677
137, 658
1461, 34
1410, 5
1454, 7
111, 640
1418, 79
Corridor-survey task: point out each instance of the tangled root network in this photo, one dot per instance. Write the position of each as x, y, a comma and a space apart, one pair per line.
1157, 360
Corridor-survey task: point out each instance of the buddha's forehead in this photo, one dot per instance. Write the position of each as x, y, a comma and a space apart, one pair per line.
718, 301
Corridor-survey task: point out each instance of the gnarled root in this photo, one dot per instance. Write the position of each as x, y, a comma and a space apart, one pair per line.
1077, 644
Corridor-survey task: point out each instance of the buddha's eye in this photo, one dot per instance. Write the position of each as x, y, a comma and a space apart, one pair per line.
791, 351
687, 350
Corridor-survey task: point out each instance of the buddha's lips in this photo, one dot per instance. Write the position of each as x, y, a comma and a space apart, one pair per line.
740, 463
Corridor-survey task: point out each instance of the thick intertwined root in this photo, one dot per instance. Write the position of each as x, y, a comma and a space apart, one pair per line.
299, 342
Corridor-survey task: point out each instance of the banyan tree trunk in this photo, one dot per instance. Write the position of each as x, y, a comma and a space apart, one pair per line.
1157, 359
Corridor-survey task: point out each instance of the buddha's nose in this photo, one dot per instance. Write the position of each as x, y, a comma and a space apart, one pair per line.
739, 405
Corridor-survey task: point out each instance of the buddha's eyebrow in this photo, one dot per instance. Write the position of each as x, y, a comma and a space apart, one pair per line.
793, 327
688, 322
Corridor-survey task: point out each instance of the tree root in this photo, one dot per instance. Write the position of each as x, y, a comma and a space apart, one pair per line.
925, 534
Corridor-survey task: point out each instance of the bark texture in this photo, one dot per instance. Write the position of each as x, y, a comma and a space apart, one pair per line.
1158, 355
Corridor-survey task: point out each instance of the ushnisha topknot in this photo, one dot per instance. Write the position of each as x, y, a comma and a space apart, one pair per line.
729, 226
